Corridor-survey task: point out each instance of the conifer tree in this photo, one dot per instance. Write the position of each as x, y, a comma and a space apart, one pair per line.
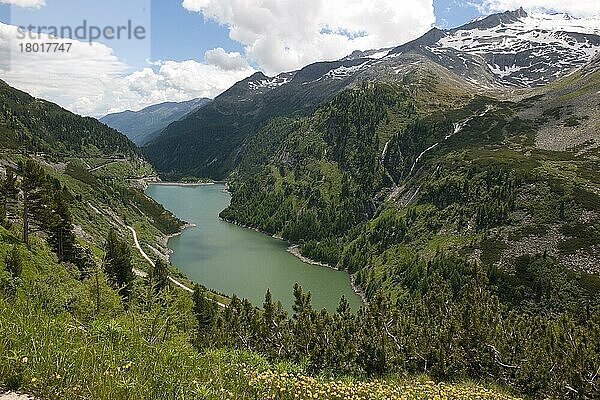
268, 310
274, 328
340, 354
159, 275
60, 231
303, 322
205, 311
35, 201
117, 263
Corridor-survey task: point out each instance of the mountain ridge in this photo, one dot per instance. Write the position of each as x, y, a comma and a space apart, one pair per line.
59, 132
478, 55
143, 125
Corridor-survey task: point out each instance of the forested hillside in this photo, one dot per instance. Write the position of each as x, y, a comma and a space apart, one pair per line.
83, 315
37, 126
477, 243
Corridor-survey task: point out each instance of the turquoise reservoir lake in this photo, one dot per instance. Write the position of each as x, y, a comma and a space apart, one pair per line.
236, 260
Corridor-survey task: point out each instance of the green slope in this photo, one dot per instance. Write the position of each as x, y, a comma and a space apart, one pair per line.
419, 204
35, 125
69, 330
99, 169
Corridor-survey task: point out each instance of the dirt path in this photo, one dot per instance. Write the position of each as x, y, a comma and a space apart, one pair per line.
142, 252
143, 274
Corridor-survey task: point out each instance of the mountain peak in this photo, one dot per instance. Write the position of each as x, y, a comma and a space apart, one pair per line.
491, 21
428, 39
241, 87
520, 13
257, 76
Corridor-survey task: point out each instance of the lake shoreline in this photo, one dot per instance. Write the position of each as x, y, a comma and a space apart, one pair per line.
359, 291
183, 183
353, 292
251, 228
295, 251
165, 239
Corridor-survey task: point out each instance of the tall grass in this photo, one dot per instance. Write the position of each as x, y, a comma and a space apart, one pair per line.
54, 357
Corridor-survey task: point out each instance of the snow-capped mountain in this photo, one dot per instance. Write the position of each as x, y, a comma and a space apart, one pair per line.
494, 54
516, 48
520, 49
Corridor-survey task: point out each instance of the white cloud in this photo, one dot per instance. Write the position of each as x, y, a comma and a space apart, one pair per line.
278, 34
227, 61
25, 3
282, 35
62, 77
174, 81
577, 8
90, 79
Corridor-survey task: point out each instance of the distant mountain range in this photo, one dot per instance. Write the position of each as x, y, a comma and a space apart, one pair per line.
142, 126
495, 55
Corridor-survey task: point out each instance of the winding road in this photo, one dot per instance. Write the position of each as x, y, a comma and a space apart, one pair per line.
143, 274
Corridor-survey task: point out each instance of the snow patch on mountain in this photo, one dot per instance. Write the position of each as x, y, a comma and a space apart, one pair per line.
527, 51
270, 83
563, 22
379, 55
504, 71
344, 72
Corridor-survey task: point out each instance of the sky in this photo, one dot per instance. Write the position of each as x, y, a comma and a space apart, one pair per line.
184, 49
